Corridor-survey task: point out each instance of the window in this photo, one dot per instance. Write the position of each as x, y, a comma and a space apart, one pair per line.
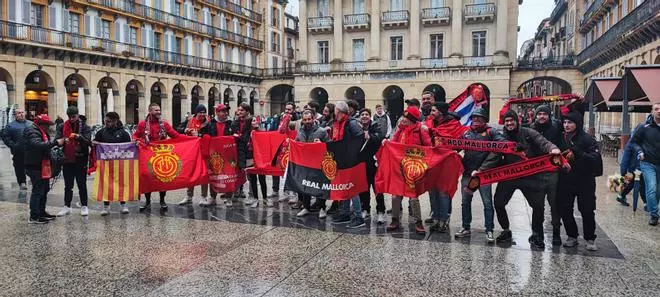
157, 38
358, 50
359, 6
396, 50
274, 61
275, 17
177, 46
177, 8
133, 35
36, 15
74, 23
479, 43
437, 3
289, 43
323, 7
323, 52
436, 46
396, 5
275, 42
105, 29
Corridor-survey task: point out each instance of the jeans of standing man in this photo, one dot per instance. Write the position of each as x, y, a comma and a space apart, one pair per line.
549, 190
253, 185
396, 208
440, 204
205, 191
77, 172
276, 184
345, 207
19, 167
651, 175
486, 193
40, 189
585, 191
529, 186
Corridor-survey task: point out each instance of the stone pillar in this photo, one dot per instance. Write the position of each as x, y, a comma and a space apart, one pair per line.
457, 29
302, 26
337, 44
501, 45
414, 31
375, 31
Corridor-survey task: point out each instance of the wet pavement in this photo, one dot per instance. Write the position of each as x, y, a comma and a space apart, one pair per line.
238, 251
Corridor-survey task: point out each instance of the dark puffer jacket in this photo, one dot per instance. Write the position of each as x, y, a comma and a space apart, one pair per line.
244, 150
113, 135
36, 149
647, 140
12, 135
316, 132
587, 162
552, 131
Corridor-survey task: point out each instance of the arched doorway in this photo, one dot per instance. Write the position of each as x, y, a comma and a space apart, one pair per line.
75, 86
213, 100
107, 87
357, 94
319, 95
278, 96
240, 96
158, 93
227, 96
393, 99
134, 90
657, 60
254, 99
195, 95
178, 94
543, 86
37, 87
6, 83
438, 92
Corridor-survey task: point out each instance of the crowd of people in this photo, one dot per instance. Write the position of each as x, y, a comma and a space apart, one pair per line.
423, 123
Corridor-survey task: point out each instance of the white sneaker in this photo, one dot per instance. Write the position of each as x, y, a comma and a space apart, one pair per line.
124, 209
105, 211
293, 199
249, 201
210, 201
322, 214
283, 198
591, 246
84, 211
228, 202
23, 187
270, 202
364, 214
185, 201
65, 211
380, 218
255, 204
302, 213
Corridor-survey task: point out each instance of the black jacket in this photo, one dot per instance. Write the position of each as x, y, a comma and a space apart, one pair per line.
530, 141
587, 162
112, 135
371, 148
84, 140
212, 130
647, 140
243, 141
552, 131
12, 135
472, 160
36, 149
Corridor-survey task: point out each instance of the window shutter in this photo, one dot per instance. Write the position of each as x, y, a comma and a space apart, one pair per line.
65, 21
117, 31
172, 5
144, 37
88, 25
185, 46
98, 27
127, 37
26, 11
52, 20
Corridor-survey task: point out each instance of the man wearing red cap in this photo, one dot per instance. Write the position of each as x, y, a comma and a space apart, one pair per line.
220, 125
37, 166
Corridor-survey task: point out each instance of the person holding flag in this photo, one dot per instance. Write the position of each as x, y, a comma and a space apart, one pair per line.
374, 138
288, 120
220, 125
191, 127
310, 131
112, 132
154, 128
410, 131
467, 102
253, 200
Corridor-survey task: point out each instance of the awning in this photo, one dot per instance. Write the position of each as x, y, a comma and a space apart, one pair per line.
600, 92
649, 79
638, 80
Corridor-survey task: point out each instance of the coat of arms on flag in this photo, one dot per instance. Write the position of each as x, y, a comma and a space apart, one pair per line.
117, 172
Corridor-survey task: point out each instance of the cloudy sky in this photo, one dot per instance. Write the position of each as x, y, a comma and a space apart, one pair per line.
531, 14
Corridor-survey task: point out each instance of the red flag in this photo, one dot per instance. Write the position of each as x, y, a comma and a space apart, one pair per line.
410, 170
266, 146
451, 129
172, 164
225, 176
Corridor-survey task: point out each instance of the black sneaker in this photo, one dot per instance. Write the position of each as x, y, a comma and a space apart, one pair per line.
163, 207
145, 207
37, 221
537, 241
556, 236
341, 219
622, 201
356, 223
429, 221
333, 208
48, 216
505, 236
653, 221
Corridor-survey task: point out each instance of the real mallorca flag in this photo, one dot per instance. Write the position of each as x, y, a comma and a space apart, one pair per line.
266, 147
172, 164
330, 169
117, 172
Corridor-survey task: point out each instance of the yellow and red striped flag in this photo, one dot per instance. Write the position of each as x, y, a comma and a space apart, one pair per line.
117, 172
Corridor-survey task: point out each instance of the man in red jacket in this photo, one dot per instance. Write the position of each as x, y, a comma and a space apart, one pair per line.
154, 128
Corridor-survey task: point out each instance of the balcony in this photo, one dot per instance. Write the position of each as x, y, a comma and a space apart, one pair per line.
594, 13
130, 7
41, 37
354, 66
395, 19
236, 9
636, 29
357, 22
560, 7
438, 16
279, 72
479, 13
562, 62
482, 61
433, 63
320, 24
316, 68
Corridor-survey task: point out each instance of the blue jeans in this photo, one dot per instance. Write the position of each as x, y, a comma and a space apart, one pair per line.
651, 178
440, 205
345, 207
486, 193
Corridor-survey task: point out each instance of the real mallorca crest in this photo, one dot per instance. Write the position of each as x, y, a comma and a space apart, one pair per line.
283, 158
329, 166
413, 166
164, 164
217, 163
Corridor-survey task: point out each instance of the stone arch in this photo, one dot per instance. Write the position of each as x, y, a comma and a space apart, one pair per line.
196, 94
657, 60
319, 95
39, 94
438, 91
178, 94
643, 62
6, 77
134, 91
73, 85
227, 96
355, 93
158, 92
393, 97
543, 86
108, 89
254, 100
213, 98
278, 96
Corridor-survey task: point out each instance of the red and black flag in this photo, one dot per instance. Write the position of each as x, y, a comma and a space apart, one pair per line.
331, 169
269, 146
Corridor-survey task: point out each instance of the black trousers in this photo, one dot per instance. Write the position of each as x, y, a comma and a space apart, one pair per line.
530, 187
549, 191
585, 192
40, 188
307, 201
365, 201
253, 185
147, 197
19, 167
75, 172
276, 184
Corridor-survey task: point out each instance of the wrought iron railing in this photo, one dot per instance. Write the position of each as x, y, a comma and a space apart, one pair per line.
589, 12
481, 61
560, 7
319, 22
472, 10
434, 63
279, 72
436, 12
395, 16
547, 62
316, 68
357, 19
237, 9
354, 66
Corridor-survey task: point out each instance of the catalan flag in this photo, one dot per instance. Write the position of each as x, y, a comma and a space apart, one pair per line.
117, 172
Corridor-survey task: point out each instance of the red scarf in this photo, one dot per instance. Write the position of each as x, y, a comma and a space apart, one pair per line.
70, 147
44, 135
195, 124
338, 128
